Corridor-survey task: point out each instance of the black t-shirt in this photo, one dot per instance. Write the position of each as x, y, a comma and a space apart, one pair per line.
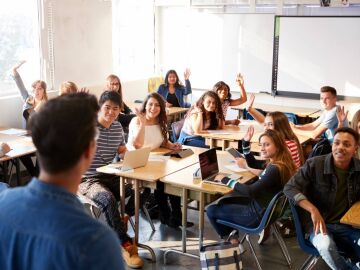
172, 99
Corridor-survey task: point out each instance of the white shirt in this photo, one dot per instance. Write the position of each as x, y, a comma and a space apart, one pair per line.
153, 137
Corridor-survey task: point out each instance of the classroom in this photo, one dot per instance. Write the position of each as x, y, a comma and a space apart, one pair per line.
180, 134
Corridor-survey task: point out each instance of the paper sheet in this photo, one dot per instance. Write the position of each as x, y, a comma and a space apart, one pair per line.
13, 131
235, 168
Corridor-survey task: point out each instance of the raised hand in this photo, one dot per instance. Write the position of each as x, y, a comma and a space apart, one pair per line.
239, 79
141, 116
250, 102
187, 73
15, 68
83, 90
249, 134
341, 114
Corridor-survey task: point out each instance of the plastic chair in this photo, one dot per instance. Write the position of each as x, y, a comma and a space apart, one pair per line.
274, 210
304, 244
154, 83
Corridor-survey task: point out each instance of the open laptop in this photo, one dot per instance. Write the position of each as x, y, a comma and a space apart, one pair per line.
133, 159
209, 168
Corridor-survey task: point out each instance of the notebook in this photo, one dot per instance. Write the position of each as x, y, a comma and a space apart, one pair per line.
133, 159
209, 168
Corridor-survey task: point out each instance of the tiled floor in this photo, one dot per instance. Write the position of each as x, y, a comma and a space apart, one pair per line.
269, 254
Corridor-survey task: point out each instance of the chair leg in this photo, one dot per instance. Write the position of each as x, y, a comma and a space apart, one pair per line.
253, 252
146, 212
309, 263
282, 244
132, 223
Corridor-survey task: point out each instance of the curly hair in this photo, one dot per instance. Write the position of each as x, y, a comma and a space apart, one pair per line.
162, 118
282, 158
222, 85
214, 116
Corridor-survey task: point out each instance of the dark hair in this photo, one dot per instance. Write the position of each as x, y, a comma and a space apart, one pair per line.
214, 116
62, 129
351, 131
177, 82
162, 118
112, 96
281, 124
282, 158
221, 85
330, 89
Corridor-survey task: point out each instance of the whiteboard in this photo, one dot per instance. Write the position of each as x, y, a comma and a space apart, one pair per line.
217, 46
318, 51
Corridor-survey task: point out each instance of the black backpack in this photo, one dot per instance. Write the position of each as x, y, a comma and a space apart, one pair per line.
323, 147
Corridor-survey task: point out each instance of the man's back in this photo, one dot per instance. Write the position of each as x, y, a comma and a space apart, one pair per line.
43, 226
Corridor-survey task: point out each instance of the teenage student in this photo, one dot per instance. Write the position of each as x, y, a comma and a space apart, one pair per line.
49, 227
33, 101
326, 187
206, 114
113, 83
246, 204
327, 122
69, 87
173, 91
149, 129
279, 122
103, 189
223, 91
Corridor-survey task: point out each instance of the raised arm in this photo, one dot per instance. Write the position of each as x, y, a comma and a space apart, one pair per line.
19, 83
258, 116
341, 116
187, 82
243, 96
137, 130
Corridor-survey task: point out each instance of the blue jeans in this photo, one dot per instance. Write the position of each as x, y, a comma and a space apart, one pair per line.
247, 214
340, 239
192, 140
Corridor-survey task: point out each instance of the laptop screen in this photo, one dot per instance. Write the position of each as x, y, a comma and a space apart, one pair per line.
208, 163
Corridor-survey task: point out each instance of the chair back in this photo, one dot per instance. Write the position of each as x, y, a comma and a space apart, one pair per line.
154, 83
323, 147
304, 244
176, 129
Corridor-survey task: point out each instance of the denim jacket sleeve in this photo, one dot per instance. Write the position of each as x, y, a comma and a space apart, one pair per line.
20, 85
187, 89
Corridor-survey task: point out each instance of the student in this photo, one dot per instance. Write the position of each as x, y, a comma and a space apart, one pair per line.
69, 87
104, 189
223, 91
355, 122
205, 114
49, 227
34, 101
246, 204
113, 83
327, 122
4, 148
173, 91
326, 187
279, 122
149, 129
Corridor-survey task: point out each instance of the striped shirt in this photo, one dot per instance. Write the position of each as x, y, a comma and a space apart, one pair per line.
294, 151
107, 146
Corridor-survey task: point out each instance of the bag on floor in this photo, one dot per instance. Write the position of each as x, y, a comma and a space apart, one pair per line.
220, 256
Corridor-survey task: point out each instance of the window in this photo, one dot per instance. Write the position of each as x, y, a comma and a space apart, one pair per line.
19, 40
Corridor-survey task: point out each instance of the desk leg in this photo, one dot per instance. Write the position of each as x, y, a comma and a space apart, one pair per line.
224, 145
211, 143
17, 164
137, 212
183, 230
122, 196
5, 171
201, 218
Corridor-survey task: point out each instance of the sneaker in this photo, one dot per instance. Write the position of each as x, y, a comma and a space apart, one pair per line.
264, 235
131, 256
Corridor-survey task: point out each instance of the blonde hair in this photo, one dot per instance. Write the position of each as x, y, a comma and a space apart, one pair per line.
67, 87
114, 77
43, 86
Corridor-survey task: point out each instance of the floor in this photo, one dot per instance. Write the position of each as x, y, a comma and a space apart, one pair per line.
164, 237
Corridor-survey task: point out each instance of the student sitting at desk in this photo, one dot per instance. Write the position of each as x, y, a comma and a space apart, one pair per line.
149, 128
223, 91
113, 83
44, 225
173, 91
205, 114
104, 189
326, 187
327, 122
69, 87
279, 122
4, 148
246, 204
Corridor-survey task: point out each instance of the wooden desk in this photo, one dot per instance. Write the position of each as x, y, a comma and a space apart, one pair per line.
231, 135
182, 184
173, 113
352, 217
20, 144
157, 167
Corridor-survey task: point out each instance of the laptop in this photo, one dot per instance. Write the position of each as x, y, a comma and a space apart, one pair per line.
133, 159
209, 168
